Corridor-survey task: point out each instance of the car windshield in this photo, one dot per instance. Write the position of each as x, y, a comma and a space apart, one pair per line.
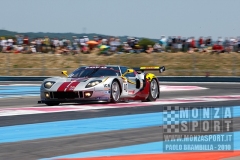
95, 72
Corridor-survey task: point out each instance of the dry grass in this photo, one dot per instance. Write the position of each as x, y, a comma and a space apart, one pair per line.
176, 63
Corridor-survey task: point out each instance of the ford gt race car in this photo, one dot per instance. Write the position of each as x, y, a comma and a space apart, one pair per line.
110, 83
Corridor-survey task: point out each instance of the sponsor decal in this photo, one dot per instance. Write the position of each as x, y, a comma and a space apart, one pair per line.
104, 92
102, 98
106, 85
152, 67
131, 92
72, 86
95, 67
125, 87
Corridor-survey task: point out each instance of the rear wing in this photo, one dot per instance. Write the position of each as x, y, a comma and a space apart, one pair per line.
160, 69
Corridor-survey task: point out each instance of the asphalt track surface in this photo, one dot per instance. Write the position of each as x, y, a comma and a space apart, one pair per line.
51, 147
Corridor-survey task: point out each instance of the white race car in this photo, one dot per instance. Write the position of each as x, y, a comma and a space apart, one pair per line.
110, 83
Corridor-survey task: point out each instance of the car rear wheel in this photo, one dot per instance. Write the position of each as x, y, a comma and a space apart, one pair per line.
52, 104
115, 92
153, 91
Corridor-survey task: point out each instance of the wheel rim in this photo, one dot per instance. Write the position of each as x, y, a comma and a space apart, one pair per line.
154, 89
115, 91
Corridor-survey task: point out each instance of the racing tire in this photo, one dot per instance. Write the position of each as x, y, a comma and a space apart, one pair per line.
153, 91
52, 104
115, 92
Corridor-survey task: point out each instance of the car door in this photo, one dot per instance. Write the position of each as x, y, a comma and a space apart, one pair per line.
130, 86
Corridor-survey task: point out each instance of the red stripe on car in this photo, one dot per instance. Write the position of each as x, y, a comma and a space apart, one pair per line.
72, 86
63, 86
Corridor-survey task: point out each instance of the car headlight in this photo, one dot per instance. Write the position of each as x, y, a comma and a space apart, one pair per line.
93, 83
48, 84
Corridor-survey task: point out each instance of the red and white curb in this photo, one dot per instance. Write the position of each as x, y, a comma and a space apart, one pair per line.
82, 107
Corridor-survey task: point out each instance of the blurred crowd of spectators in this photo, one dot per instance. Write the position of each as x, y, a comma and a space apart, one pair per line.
175, 44
22, 44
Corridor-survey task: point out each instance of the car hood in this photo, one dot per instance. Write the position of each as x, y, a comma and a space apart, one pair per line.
63, 79
70, 84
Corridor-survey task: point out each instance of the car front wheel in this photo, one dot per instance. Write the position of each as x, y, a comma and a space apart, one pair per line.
115, 92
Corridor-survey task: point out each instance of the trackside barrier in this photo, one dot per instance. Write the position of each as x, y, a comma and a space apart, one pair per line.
23, 78
164, 78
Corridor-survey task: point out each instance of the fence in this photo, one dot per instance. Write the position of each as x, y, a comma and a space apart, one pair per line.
177, 64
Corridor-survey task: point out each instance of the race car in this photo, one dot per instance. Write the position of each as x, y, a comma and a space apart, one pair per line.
109, 83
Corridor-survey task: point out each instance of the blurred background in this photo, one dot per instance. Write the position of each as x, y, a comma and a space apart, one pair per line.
41, 38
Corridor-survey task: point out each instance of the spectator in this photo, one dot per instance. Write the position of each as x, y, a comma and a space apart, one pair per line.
95, 38
235, 47
75, 45
188, 43
238, 42
26, 41
157, 47
208, 41
104, 41
33, 49
169, 44
1, 44
127, 48
39, 45
163, 41
179, 44
220, 41
82, 43
10, 44
193, 43
86, 39
200, 42
55, 44
19, 39
217, 48
149, 49
184, 45
19, 49
174, 44
4, 45
232, 44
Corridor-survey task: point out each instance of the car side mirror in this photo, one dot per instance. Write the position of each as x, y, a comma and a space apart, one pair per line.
162, 69
65, 73
130, 71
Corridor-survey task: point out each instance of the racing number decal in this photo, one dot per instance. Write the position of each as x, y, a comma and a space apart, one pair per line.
125, 87
106, 85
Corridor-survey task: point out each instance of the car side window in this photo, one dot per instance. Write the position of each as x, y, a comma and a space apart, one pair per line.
124, 69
